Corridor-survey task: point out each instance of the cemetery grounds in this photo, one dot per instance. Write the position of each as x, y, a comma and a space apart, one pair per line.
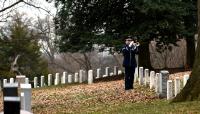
105, 96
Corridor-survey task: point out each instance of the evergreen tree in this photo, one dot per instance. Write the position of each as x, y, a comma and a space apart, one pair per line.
19, 39
80, 23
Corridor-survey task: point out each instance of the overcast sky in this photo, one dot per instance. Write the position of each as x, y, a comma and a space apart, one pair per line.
29, 10
34, 12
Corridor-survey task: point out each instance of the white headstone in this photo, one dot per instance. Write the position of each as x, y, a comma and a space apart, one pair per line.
42, 81
69, 78
50, 79
85, 76
81, 76
12, 80
164, 77
90, 76
57, 79
141, 76
20, 79
177, 85
64, 78
185, 79
157, 83
160, 83
22, 99
35, 82
119, 72
115, 70
98, 73
146, 75
169, 90
136, 75
26, 89
107, 73
5, 81
26, 81
76, 77
111, 74
152, 79
104, 76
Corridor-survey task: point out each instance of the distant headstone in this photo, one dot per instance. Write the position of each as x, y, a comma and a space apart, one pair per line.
98, 73
64, 78
152, 79
116, 70
107, 73
35, 82
69, 78
119, 72
90, 76
42, 81
76, 77
136, 75
177, 86
169, 90
158, 83
12, 80
111, 74
57, 79
146, 75
81, 76
85, 76
50, 79
5, 81
20, 79
141, 76
104, 76
185, 79
164, 78
26, 81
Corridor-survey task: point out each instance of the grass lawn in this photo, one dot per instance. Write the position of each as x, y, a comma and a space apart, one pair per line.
157, 107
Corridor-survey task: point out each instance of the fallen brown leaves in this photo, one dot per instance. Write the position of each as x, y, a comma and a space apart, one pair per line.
180, 75
86, 98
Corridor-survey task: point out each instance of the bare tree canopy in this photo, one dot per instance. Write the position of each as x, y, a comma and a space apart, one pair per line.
7, 7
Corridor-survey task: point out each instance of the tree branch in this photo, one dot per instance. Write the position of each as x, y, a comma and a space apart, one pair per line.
37, 7
11, 5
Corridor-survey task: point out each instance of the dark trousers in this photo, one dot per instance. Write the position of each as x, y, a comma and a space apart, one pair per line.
129, 77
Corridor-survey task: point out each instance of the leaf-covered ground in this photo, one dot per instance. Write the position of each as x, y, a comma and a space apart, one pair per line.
105, 96
87, 98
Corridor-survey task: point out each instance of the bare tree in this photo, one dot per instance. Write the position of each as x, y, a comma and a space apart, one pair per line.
7, 7
45, 28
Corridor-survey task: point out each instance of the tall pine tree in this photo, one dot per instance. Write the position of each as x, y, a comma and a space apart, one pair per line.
19, 39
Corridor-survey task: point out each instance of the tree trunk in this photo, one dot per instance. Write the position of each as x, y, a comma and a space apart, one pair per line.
190, 51
144, 55
191, 91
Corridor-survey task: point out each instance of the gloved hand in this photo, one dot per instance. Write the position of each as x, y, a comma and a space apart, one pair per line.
131, 43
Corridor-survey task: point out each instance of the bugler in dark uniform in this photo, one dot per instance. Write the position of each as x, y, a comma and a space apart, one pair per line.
129, 62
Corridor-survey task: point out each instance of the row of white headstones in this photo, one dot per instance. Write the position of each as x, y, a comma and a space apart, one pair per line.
160, 82
157, 81
68, 78
80, 77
